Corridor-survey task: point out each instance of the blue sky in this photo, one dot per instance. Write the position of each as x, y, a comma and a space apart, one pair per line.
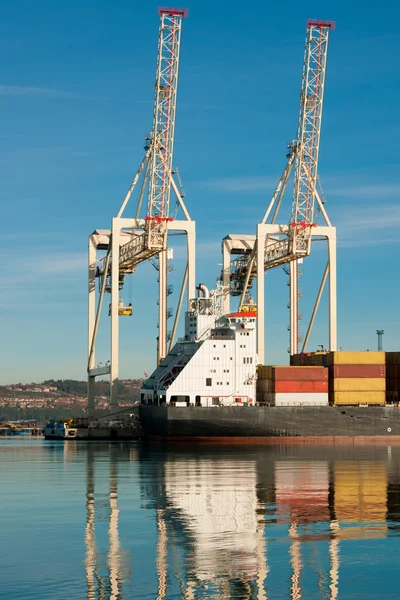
76, 91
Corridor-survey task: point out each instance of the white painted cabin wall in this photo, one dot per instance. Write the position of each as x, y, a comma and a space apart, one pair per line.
228, 358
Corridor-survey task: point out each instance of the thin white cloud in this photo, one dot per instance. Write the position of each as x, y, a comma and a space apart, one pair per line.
16, 90
366, 241
369, 226
204, 250
240, 184
200, 106
382, 216
22, 269
369, 191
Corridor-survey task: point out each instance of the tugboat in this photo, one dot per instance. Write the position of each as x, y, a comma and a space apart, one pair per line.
84, 429
54, 430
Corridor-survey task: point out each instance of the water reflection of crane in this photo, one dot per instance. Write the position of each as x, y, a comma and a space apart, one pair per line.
98, 587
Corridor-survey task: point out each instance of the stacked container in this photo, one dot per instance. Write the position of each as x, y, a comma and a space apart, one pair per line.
392, 377
292, 386
309, 359
356, 378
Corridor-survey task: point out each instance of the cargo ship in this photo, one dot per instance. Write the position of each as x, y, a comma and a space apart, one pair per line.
209, 388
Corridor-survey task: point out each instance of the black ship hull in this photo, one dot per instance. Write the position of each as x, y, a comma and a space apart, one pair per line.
272, 424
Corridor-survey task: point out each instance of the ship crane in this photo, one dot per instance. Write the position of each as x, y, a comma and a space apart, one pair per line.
282, 244
132, 241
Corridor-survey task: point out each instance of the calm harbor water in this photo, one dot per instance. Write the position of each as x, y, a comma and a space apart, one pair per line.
136, 521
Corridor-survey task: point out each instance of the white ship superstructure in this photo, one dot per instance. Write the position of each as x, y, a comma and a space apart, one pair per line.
214, 364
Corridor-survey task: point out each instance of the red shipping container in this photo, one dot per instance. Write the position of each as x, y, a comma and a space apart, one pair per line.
300, 373
358, 371
300, 387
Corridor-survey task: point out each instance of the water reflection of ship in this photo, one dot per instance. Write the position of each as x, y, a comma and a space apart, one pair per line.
223, 509
99, 586
210, 509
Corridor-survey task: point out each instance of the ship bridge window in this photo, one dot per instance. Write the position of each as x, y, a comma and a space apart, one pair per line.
180, 399
208, 381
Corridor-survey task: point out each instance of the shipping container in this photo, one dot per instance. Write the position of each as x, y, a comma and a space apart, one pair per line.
264, 385
292, 373
301, 359
310, 359
392, 358
365, 384
264, 372
392, 396
288, 399
356, 398
357, 371
300, 387
356, 358
304, 373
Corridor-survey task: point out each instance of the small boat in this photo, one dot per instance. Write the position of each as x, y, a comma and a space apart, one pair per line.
85, 429
55, 430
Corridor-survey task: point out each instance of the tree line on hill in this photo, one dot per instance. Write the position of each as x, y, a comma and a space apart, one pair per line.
102, 388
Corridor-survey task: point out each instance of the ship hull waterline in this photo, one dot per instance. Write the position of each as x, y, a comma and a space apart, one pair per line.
272, 425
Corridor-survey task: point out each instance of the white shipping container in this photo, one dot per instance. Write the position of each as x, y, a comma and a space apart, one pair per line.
309, 399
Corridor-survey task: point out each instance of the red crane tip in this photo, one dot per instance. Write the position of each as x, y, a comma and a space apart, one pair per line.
316, 23
165, 10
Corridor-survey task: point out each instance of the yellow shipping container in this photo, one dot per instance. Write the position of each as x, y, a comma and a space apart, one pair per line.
363, 384
356, 358
356, 398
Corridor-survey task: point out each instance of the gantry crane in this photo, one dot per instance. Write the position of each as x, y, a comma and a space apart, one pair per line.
282, 244
132, 241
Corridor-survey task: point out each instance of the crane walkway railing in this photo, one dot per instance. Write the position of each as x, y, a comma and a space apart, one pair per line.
135, 251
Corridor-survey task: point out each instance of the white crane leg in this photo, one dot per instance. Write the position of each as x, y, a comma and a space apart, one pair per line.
191, 258
115, 245
91, 321
294, 308
226, 259
332, 289
260, 241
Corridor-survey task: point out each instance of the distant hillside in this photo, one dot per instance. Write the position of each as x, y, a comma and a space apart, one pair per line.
128, 389
62, 398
